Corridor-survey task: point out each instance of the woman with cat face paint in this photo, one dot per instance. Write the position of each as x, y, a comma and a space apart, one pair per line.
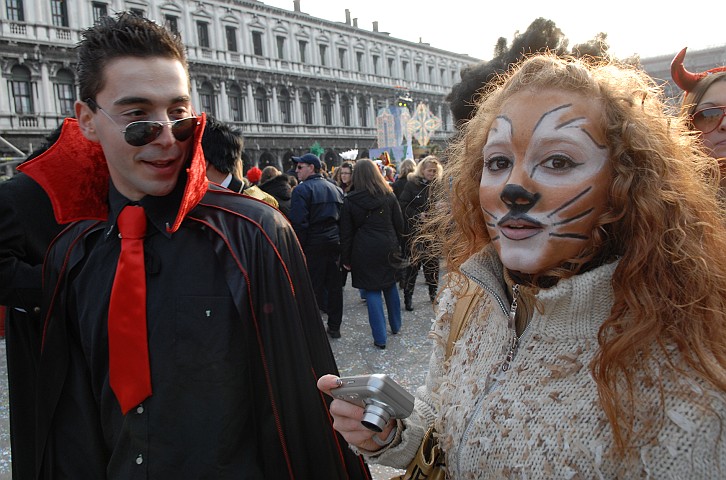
589, 219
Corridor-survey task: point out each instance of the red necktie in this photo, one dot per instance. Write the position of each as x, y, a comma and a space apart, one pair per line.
128, 348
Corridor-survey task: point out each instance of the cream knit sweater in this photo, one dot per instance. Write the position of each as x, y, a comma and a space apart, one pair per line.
542, 418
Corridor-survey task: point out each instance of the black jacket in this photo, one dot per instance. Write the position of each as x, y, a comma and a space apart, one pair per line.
315, 211
399, 185
264, 269
279, 188
370, 234
415, 200
236, 185
27, 226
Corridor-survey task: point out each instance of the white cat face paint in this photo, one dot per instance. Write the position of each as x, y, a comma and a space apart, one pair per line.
545, 179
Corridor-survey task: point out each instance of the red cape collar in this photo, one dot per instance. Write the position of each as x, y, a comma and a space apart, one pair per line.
74, 174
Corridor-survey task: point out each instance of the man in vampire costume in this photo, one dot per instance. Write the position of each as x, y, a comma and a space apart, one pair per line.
197, 356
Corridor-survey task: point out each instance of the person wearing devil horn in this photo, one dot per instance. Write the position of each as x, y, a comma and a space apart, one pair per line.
704, 104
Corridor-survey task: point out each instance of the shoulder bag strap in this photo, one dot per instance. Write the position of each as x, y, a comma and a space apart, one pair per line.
462, 311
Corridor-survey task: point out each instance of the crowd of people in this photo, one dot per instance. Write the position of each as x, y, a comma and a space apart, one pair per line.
166, 307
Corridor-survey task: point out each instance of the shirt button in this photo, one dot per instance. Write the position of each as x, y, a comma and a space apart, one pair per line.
140, 409
139, 459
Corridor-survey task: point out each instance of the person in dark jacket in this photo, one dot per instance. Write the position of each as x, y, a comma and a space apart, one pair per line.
406, 167
227, 338
371, 227
415, 202
314, 213
27, 227
276, 184
222, 145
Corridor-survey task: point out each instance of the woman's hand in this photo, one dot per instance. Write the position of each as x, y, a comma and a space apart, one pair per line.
347, 417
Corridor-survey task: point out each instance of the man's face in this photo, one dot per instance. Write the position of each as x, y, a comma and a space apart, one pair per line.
136, 89
545, 179
304, 170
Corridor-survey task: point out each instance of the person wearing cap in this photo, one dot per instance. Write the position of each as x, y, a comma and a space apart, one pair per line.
704, 105
314, 213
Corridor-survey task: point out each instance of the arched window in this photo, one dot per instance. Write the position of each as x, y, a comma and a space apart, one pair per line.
65, 92
283, 99
327, 106
22, 89
207, 99
267, 159
261, 105
236, 103
345, 110
362, 111
307, 107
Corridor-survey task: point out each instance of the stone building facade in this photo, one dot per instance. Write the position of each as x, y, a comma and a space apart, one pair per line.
287, 79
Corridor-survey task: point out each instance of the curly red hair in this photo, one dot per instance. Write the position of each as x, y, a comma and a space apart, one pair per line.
663, 222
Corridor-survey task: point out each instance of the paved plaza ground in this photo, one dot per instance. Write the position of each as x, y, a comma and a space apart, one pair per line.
405, 358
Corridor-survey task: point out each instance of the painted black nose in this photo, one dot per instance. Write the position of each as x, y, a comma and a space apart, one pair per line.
519, 199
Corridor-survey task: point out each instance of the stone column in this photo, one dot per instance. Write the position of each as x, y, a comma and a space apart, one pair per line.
251, 113
318, 114
46, 91
274, 107
224, 113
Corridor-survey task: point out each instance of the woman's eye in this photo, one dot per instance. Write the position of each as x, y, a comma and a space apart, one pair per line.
498, 163
558, 162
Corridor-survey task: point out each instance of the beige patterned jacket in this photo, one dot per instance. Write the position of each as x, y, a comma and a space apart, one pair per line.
542, 419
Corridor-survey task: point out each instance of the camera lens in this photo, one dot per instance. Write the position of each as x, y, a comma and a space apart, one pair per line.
376, 416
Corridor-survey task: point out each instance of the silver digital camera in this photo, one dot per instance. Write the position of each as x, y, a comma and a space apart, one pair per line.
380, 396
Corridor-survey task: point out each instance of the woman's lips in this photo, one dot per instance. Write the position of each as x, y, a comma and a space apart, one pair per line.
519, 229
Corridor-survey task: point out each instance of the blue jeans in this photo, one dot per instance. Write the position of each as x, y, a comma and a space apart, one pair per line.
376, 317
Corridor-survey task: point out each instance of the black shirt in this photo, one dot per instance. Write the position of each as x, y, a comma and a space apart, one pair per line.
200, 367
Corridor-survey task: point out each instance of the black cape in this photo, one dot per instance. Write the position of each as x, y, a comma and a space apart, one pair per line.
27, 226
263, 265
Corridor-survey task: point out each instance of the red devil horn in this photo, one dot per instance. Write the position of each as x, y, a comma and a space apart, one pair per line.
683, 78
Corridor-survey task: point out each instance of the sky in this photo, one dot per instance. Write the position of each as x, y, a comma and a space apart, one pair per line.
473, 26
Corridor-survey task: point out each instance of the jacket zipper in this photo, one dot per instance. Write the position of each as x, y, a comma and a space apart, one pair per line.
503, 367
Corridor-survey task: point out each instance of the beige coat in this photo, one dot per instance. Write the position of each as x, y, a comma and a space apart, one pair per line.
542, 419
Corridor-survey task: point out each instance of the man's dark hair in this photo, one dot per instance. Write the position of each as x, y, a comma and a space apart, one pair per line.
125, 35
222, 145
